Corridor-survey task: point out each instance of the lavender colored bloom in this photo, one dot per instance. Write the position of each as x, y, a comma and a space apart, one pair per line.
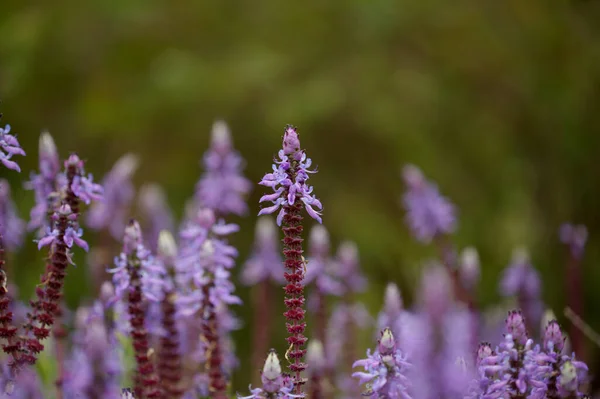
287, 188
265, 262
575, 236
436, 292
384, 370
347, 268
343, 319
9, 146
46, 184
223, 187
72, 233
152, 273
11, 227
456, 369
429, 214
156, 213
275, 383
83, 185
118, 193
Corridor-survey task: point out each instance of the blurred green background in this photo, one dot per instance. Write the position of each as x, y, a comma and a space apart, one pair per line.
496, 101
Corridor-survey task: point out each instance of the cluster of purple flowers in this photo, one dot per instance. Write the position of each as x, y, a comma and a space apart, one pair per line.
164, 319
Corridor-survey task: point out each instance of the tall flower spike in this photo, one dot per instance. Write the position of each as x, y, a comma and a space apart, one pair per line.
45, 185
11, 227
384, 370
118, 193
275, 384
9, 146
291, 194
169, 356
223, 187
134, 278
429, 213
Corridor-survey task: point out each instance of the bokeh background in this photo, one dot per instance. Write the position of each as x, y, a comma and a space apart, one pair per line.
496, 101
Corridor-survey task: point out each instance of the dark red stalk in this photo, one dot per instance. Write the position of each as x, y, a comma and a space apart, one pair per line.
146, 381
214, 356
294, 290
8, 331
169, 357
263, 316
316, 389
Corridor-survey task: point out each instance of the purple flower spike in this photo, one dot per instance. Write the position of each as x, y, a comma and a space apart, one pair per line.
575, 236
11, 227
288, 180
118, 193
265, 262
9, 146
83, 186
223, 187
429, 214
385, 369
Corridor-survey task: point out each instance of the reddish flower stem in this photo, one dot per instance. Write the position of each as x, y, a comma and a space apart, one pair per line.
294, 290
169, 357
8, 331
214, 355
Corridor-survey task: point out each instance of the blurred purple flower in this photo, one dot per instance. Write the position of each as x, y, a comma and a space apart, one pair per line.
265, 263
429, 214
223, 187
11, 227
45, 185
112, 213
391, 314
9, 146
347, 268
26, 385
156, 213
575, 236
287, 187
321, 269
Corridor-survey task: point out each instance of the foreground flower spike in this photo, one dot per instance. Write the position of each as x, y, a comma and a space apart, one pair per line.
118, 193
384, 373
429, 213
575, 237
9, 146
223, 188
169, 356
522, 281
157, 215
45, 185
11, 227
135, 258
291, 194
261, 270
276, 385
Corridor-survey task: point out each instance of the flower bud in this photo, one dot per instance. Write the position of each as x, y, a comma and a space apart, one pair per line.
315, 356
470, 269
392, 302
49, 162
318, 241
220, 137
515, 326
271, 373
206, 217
484, 351
291, 141
387, 342
553, 337
167, 248
133, 237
